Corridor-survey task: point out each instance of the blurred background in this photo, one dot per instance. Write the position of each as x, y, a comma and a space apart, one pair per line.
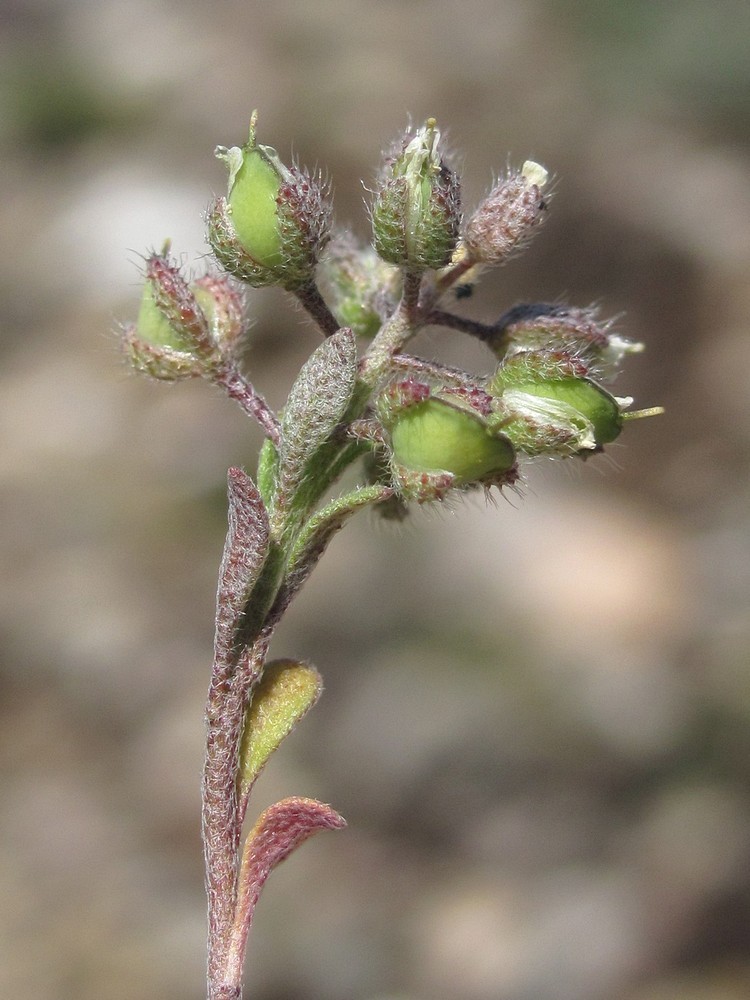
537, 713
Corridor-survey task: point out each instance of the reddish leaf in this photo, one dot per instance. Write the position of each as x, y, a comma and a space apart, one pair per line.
278, 831
245, 552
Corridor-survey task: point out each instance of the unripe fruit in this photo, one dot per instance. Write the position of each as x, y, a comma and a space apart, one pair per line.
254, 188
184, 329
360, 288
587, 398
416, 213
153, 327
546, 404
434, 436
275, 220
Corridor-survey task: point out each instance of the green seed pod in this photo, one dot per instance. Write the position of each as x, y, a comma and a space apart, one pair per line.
275, 220
416, 213
438, 444
587, 398
170, 315
545, 403
255, 177
435, 437
152, 325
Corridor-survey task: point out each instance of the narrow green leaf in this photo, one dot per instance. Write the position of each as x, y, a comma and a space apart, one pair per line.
268, 460
318, 531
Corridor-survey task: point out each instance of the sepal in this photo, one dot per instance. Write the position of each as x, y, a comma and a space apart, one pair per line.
224, 308
550, 326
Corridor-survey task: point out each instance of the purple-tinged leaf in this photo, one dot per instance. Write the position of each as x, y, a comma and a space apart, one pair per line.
278, 831
245, 551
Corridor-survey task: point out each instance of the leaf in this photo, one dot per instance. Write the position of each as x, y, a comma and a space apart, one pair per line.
316, 405
315, 535
245, 552
286, 693
267, 469
279, 830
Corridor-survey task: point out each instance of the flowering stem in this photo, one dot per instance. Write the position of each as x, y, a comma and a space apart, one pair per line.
483, 331
411, 365
245, 625
424, 429
227, 702
451, 274
410, 295
394, 334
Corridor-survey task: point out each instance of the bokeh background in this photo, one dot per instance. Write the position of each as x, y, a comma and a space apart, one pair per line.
537, 714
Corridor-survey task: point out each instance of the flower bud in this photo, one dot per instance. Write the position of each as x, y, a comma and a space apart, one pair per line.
416, 213
545, 404
440, 442
360, 288
275, 221
183, 329
506, 218
549, 326
171, 338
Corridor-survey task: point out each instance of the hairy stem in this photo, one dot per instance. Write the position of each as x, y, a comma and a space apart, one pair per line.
394, 334
312, 301
290, 555
454, 272
483, 331
227, 703
435, 370
242, 391
410, 296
